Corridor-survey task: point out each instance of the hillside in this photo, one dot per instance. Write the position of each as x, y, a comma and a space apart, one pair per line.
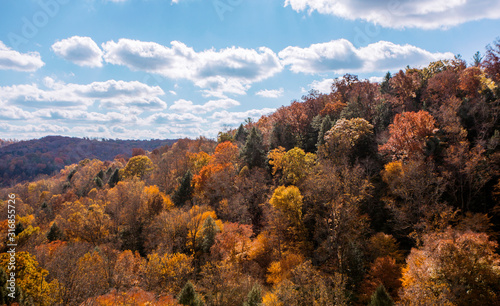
375, 193
25, 160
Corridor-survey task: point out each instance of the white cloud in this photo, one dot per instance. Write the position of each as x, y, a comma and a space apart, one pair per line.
425, 14
230, 70
234, 118
14, 113
38, 128
376, 79
13, 60
340, 56
174, 119
82, 51
83, 116
188, 106
110, 94
270, 93
323, 86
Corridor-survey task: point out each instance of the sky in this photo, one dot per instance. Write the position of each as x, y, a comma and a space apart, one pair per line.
156, 69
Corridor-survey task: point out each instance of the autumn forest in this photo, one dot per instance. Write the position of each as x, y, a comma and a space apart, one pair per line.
374, 194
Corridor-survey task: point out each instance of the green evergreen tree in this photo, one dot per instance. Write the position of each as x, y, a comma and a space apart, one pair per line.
385, 86
326, 125
381, 298
254, 153
254, 297
185, 191
241, 134
19, 228
281, 135
188, 296
208, 232
100, 174
55, 233
477, 59
98, 182
114, 179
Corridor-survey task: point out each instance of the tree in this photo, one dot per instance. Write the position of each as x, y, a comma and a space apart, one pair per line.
167, 273
491, 61
31, 278
253, 153
326, 125
138, 166
295, 164
452, 268
185, 190
241, 134
188, 296
477, 58
348, 139
114, 178
288, 224
408, 134
55, 233
381, 298
208, 233
254, 297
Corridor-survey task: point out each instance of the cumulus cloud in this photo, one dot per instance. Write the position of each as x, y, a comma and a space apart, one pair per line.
425, 14
82, 51
13, 60
270, 93
33, 128
109, 94
188, 106
14, 113
230, 70
224, 118
341, 56
323, 86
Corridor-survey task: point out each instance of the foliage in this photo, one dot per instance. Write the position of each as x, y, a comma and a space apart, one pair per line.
453, 268
138, 166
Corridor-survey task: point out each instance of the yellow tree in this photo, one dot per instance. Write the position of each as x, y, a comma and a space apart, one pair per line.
31, 278
294, 164
168, 273
137, 166
288, 225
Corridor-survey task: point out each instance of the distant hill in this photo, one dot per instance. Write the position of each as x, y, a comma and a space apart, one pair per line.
24, 160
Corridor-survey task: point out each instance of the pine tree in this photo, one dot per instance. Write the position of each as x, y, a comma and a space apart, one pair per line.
209, 231
188, 296
254, 297
253, 153
381, 298
114, 179
385, 86
185, 190
241, 134
19, 228
55, 233
98, 182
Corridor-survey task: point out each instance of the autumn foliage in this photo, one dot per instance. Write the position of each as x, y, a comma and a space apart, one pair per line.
374, 193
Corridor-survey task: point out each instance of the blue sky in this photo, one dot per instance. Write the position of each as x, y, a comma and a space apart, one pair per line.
174, 68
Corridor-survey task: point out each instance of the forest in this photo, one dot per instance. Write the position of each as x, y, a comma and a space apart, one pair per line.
373, 194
